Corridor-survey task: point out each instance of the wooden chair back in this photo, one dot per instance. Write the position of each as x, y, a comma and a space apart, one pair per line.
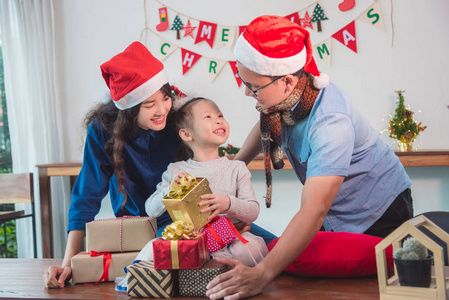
16, 188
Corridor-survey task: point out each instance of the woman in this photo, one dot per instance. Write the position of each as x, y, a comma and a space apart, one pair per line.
130, 141
353, 181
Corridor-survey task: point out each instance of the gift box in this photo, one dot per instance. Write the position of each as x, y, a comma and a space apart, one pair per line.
192, 283
180, 254
120, 234
219, 233
186, 207
100, 266
145, 281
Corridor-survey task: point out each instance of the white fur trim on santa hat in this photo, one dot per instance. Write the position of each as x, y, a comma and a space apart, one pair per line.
139, 94
248, 56
322, 81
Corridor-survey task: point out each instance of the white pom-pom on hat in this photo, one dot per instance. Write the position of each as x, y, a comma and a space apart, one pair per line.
106, 96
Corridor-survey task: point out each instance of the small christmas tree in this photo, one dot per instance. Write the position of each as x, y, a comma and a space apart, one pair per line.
177, 25
402, 127
318, 16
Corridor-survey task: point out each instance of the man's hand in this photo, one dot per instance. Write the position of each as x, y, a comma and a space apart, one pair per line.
238, 283
55, 277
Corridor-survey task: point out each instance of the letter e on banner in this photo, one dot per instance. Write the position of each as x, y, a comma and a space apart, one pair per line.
189, 58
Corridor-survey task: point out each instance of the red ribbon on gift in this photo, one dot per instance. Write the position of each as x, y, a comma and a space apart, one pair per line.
217, 237
107, 257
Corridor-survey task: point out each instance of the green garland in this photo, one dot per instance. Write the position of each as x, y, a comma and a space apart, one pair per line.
402, 126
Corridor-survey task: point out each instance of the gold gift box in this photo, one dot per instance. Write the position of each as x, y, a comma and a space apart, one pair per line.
187, 209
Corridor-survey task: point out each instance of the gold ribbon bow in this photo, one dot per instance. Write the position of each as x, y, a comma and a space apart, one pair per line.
186, 183
179, 230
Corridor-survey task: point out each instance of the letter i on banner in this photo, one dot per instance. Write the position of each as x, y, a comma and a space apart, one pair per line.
166, 48
189, 58
323, 51
346, 36
373, 16
214, 67
233, 65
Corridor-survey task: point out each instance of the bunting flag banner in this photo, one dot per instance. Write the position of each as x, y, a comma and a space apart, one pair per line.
347, 37
177, 25
189, 58
188, 30
166, 48
294, 17
373, 16
318, 16
241, 29
233, 65
163, 18
214, 66
323, 51
206, 32
225, 36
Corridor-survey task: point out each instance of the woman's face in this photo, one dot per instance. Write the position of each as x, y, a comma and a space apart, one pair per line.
153, 112
267, 97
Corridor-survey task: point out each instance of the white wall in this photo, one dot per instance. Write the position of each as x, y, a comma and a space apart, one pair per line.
91, 32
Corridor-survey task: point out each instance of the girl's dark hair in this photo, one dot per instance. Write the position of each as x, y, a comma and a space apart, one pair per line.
120, 123
183, 119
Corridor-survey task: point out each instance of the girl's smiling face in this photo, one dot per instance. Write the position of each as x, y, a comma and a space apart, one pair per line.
209, 127
153, 112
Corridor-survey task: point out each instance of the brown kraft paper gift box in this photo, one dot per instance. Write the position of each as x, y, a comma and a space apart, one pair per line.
120, 234
86, 268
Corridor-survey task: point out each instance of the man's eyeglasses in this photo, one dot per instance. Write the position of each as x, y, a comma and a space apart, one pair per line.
258, 89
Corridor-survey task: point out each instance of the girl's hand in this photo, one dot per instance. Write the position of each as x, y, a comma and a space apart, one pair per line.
217, 204
179, 176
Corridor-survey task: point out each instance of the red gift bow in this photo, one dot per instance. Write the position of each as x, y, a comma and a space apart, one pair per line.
107, 256
217, 237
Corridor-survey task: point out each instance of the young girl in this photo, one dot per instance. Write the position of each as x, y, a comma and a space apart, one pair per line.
203, 129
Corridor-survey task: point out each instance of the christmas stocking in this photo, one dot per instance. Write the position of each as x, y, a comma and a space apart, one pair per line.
346, 5
164, 19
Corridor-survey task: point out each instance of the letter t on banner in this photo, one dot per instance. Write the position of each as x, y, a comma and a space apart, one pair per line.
189, 58
206, 32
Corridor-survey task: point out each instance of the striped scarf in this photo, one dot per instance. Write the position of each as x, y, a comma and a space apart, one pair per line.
270, 125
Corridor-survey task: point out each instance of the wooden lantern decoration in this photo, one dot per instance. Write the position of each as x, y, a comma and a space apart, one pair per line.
389, 287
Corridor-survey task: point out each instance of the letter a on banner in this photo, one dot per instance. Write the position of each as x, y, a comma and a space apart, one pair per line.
346, 36
166, 48
323, 51
206, 32
189, 58
373, 16
214, 66
233, 65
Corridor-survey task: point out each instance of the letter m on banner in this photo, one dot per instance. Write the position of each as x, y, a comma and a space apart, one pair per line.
189, 58
206, 32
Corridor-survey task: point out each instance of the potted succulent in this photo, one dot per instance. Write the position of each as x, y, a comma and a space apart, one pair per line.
413, 263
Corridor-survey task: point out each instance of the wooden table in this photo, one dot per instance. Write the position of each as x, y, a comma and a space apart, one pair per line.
22, 278
421, 158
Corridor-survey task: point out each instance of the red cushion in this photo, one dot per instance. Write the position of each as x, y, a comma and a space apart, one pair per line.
338, 254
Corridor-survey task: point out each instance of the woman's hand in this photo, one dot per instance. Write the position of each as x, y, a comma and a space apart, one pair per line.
56, 277
217, 204
238, 283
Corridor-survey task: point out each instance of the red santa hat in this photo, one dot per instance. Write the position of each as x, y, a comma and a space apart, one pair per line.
274, 46
133, 75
